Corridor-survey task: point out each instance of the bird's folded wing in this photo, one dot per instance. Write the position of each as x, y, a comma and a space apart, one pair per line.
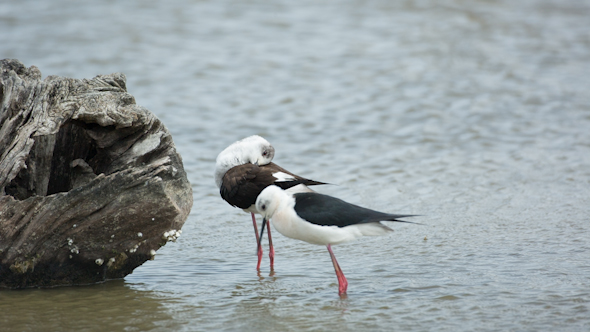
326, 210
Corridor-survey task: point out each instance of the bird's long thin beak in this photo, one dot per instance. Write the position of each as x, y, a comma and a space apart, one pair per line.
261, 234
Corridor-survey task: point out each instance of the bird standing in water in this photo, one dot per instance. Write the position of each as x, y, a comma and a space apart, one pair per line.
244, 169
320, 219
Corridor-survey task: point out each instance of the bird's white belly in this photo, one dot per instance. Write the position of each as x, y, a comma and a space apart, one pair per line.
252, 209
290, 225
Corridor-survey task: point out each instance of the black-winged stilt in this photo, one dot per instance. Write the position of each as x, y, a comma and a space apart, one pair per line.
320, 219
244, 169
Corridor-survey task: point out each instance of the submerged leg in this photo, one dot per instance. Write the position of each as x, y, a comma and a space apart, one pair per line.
342, 282
271, 254
257, 240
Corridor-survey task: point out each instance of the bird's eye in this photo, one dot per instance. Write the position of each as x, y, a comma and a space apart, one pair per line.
263, 207
264, 153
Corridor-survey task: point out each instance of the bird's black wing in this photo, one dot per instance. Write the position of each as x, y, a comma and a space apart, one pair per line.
241, 185
326, 210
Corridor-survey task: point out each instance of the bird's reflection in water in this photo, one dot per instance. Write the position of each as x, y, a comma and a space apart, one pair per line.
271, 276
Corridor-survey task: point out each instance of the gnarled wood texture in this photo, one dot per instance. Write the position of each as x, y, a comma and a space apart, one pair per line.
90, 182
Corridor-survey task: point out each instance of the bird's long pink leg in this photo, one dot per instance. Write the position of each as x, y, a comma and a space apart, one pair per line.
342, 282
257, 240
271, 254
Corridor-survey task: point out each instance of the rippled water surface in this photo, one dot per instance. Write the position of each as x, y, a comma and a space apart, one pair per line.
474, 114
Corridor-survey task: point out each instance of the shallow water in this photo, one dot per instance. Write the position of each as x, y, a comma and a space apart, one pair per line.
473, 114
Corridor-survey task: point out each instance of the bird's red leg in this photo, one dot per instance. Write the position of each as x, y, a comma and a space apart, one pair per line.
271, 254
342, 282
257, 240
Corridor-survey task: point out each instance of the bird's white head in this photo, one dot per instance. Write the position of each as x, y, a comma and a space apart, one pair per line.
270, 199
253, 149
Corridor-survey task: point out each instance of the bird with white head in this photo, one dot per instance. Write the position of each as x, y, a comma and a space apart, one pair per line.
244, 169
320, 219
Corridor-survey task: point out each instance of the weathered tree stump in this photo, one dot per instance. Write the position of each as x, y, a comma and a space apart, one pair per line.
90, 183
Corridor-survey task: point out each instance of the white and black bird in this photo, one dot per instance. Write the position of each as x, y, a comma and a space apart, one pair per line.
320, 219
244, 169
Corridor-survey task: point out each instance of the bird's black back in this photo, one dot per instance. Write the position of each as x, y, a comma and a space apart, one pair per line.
326, 210
241, 185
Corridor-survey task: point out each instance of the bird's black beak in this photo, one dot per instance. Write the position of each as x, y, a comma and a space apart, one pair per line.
261, 234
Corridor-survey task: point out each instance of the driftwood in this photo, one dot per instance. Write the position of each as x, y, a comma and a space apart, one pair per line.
90, 183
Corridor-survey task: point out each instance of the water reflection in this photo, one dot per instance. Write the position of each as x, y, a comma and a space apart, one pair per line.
111, 306
270, 274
